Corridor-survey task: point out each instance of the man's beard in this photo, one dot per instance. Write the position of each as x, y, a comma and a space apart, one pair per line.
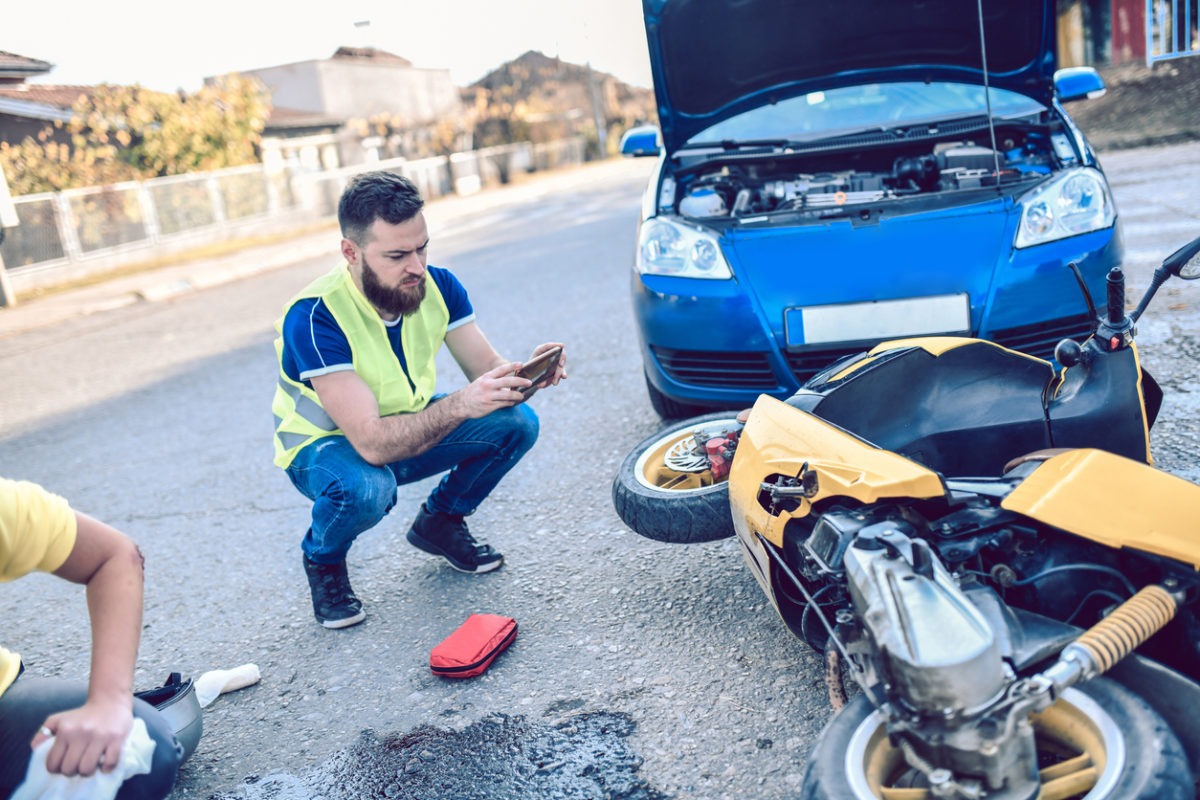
390, 300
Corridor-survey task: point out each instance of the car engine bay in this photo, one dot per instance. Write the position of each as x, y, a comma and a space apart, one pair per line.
739, 185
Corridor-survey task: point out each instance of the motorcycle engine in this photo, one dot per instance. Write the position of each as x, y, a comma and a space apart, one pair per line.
937, 662
938, 647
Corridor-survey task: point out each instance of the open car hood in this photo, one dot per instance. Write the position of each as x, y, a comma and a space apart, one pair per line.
714, 59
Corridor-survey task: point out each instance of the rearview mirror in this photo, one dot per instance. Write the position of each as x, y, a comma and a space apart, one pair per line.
1078, 83
640, 141
1185, 262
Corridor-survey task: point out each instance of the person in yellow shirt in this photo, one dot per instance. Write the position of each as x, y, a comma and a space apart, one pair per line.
40, 532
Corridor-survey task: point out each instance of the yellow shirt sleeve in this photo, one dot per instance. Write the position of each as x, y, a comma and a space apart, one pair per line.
37, 529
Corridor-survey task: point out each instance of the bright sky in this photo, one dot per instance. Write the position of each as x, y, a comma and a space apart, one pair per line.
168, 45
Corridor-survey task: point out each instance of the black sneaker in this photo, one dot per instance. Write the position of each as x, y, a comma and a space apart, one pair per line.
446, 535
334, 603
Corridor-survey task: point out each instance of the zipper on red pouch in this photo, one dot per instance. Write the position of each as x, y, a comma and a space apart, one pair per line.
505, 642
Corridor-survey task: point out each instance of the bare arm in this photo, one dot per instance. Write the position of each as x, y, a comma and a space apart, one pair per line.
111, 567
385, 439
473, 352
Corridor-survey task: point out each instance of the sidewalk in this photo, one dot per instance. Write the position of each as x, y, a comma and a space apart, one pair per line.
161, 283
186, 276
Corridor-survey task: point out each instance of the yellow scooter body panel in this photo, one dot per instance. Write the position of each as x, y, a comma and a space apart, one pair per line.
936, 345
780, 440
1115, 501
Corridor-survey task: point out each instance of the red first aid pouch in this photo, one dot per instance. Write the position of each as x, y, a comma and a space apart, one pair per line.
473, 646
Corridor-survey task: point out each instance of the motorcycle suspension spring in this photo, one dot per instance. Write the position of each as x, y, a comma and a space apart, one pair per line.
1128, 627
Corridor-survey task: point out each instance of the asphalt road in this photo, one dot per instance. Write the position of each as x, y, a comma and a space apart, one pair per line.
641, 670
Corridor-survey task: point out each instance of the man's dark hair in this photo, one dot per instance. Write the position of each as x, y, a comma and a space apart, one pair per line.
376, 195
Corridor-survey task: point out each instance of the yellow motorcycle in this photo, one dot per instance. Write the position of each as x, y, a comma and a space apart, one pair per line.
959, 406
1011, 595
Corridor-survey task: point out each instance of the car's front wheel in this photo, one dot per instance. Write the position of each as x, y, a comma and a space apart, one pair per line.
669, 409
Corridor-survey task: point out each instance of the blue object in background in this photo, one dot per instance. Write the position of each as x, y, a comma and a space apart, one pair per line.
811, 193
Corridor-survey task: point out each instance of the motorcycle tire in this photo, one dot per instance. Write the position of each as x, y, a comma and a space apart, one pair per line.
679, 516
1153, 766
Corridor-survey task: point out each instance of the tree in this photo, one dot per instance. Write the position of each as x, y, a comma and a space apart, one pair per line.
120, 133
500, 117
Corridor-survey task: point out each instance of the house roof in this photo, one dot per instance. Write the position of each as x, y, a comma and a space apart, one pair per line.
14, 67
44, 102
371, 54
62, 97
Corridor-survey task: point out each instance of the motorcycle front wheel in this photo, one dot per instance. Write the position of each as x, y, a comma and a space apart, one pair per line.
665, 490
1098, 742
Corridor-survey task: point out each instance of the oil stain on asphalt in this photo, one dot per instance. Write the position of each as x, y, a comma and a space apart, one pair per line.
581, 757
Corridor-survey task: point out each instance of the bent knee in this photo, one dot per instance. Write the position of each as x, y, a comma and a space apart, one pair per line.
370, 492
523, 427
169, 753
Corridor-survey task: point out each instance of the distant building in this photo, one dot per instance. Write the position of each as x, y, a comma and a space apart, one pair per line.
18, 69
361, 82
1110, 32
314, 100
26, 109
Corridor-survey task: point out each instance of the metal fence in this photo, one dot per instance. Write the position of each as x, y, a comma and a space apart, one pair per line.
58, 230
1171, 30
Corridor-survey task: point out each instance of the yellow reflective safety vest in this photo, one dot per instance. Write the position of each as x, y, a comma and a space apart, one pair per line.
299, 417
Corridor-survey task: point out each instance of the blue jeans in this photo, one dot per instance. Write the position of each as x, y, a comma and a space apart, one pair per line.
351, 496
31, 699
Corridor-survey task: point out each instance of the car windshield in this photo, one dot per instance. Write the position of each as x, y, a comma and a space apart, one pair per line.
869, 106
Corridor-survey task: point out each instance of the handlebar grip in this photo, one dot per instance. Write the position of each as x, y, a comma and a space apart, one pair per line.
1116, 296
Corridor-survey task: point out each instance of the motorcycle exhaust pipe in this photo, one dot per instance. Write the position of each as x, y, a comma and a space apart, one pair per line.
1114, 637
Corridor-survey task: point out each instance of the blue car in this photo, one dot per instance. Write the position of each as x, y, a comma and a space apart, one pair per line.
831, 175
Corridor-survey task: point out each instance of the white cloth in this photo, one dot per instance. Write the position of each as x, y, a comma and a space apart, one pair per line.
136, 756
219, 681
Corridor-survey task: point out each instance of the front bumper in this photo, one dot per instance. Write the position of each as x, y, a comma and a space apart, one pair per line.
708, 342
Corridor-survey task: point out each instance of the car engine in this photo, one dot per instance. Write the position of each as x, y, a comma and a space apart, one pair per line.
748, 186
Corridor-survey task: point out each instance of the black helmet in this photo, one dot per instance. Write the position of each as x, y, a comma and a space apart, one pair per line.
176, 701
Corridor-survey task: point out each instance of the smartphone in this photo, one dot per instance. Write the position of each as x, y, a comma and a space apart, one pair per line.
539, 368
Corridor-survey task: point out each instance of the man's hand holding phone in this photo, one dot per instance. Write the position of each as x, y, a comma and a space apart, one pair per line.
545, 367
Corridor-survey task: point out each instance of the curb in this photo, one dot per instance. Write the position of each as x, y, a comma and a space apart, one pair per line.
234, 270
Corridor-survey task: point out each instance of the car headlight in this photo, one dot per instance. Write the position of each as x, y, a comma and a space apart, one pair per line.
1077, 201
670, 248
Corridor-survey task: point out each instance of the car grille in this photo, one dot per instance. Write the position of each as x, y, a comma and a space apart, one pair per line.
712, 368
806, 363
753, 370
1039, 339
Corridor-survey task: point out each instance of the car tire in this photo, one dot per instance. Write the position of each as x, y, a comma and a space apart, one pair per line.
669, 409
1154, 764
678, 516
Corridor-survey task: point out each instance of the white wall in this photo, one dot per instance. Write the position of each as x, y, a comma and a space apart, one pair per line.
293, 85
357, 89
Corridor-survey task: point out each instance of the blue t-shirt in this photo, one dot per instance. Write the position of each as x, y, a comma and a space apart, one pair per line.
314, 344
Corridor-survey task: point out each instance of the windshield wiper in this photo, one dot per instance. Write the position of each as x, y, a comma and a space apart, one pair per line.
734, 144
909, 131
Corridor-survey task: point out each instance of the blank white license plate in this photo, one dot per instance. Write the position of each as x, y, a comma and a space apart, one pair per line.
882, 319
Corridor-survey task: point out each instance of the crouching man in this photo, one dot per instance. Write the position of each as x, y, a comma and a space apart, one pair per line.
355, 409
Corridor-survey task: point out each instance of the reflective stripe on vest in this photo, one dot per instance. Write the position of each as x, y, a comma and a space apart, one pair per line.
307, 408
299, 417
289, 440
